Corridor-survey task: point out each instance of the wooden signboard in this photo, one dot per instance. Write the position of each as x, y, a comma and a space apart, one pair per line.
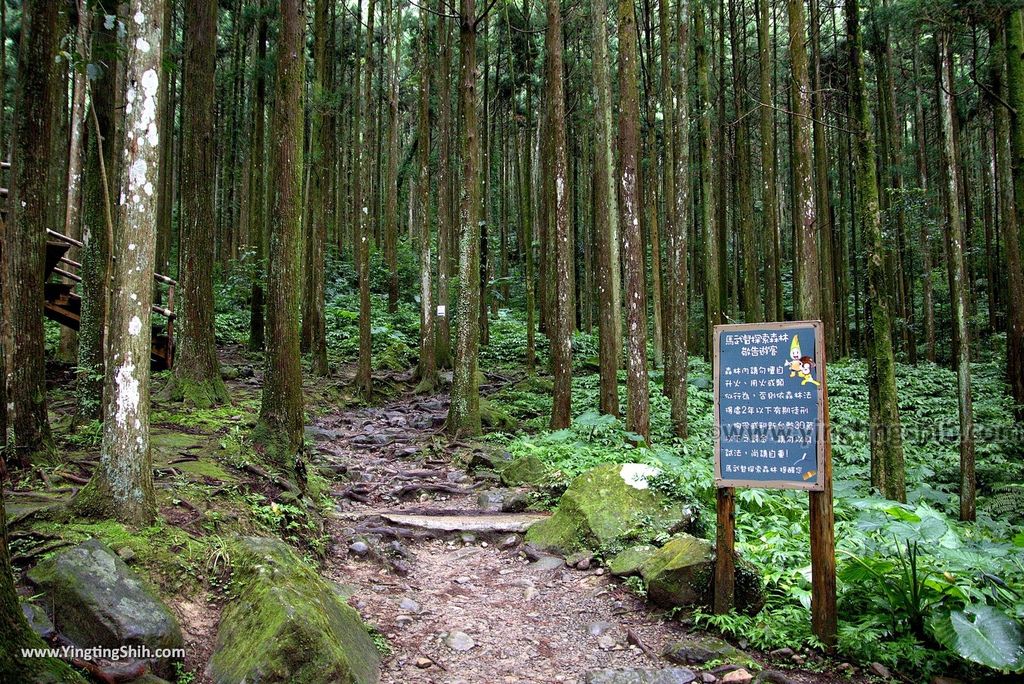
771, 431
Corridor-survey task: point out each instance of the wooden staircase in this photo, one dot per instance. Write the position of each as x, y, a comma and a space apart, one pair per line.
64, 305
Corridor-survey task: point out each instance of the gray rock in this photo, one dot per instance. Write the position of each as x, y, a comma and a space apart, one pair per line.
547, 563
287, 625
672, 675
708, 678
697, 650
517, 501
359, 548
773, 677
460, 641
489, 459
409, 606
599, 628
509, 542
38, 620
879, 670
98, 600
491, 500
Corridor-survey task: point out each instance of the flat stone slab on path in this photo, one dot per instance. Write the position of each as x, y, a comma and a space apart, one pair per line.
481, 524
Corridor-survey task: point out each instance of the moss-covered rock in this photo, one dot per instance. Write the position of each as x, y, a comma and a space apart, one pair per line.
288, 624
493, 416
97, 600
682, 573
607, 506
629, 561
524, 470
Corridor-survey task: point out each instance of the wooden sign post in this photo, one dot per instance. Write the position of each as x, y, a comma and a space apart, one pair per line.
771, 431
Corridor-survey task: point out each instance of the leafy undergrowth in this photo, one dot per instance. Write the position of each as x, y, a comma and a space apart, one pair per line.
918, 591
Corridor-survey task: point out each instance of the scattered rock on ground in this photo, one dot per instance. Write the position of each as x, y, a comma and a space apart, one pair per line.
740, 676
97, 600
673, 675
525, 470
629, 561
879, 670
699, 649
459, 641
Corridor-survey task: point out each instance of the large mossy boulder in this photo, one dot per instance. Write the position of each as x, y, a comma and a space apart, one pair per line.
607, 506
682, 572
288, 624
98, 601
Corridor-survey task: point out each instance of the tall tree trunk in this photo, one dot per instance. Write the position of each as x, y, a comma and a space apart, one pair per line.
391, 186
76, 150
925, 234
257, 188
196, 379
281, 420
28, 212
637, 391
957, 269
752, 309
887, 467
165, 188
314, 325
561, 337
464, 411
822, 199
810, 307
605, 217
427, 367
444, 197
769, 198
122, 484
97, 217
1013, 217
367, 151
678, 266
709, 224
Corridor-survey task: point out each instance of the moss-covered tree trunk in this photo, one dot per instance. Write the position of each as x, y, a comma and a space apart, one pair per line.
957, 268
257, 187
464, 411
391, 182
426, 369
364, 219
921, 138
196, 379
561, 337
122, 484
1011, 225
606, 218
28, 215
887, 468
281, 421
637, 391
528, 212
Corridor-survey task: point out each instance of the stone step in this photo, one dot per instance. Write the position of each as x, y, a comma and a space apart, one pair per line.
479, 524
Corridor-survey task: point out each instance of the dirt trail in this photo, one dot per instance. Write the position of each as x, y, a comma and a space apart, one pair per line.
526, 621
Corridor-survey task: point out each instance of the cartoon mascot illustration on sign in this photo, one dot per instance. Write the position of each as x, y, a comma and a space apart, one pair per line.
800, 366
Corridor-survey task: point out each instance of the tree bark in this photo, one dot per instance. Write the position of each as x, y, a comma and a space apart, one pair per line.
709, 225
28, 213
1013, 217
257, 188
637, 391
444, 199
561, 338
427, 368
122, 484
769, 197
196, 380
606, 218
367, 149
957, 270
280, 424
464, 410
887, 465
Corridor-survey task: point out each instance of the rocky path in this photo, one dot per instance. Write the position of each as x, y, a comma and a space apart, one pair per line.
453, 589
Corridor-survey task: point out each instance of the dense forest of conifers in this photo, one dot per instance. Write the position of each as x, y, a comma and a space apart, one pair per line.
529, 204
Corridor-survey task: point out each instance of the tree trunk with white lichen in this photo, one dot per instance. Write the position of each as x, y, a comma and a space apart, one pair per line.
122, 484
